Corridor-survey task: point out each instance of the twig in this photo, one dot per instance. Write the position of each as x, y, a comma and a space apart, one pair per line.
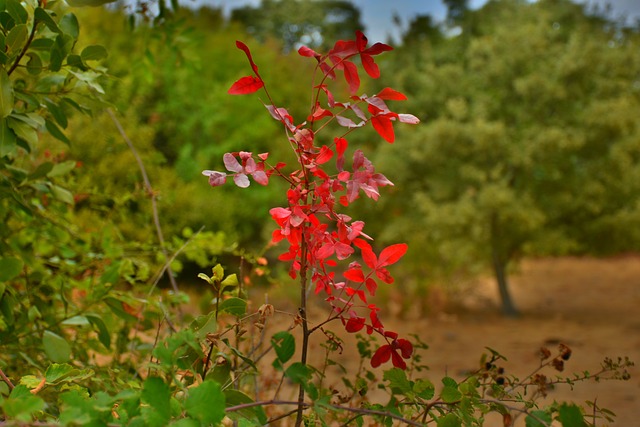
150, 191
6, 380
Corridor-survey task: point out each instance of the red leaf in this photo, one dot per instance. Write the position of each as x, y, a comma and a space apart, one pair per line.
391, 95
361, 40
377, 49
244, 47
308, 52
351, 75
355, 324
354, 274
383, 126
370, 66
246, 85
324, 155
405, 347
382, 355
397, 361
391, 254
371, 286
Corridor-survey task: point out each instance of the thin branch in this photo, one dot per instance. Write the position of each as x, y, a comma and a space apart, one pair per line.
6, 380
150, 191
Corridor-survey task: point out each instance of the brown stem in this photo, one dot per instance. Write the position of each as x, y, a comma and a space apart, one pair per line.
6, 380
302, 311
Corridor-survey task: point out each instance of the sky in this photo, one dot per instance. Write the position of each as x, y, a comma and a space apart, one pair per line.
377, 14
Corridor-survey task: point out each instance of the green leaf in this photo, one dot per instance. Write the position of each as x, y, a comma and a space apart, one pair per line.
103, 333
76, 321
398, 380
532, 419
234, 398
56, 132
16, 39
57, 371
62, 194
17, 11
69, 25
449, 420
57, 113
450, 394
7, 137
24, 131
43, 16
206, 403
230, 281
74, 60
21, 404
6, 94
34, 64
298, 373
94, 53
284, 344
63, 168
56, 347
10, 268
424, 388
234, 306
570, 415
83, 3
156, 394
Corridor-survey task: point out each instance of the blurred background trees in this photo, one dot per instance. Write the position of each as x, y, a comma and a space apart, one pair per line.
529, 143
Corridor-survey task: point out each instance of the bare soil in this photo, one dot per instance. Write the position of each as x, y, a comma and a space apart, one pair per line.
592, 305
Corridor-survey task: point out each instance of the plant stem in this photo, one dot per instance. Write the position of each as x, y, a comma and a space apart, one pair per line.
302, 311
6, 380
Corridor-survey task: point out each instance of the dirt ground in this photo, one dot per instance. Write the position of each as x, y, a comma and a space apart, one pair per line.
592, 305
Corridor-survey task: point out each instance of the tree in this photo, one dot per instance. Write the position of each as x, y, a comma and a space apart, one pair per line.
295, 22
532, 145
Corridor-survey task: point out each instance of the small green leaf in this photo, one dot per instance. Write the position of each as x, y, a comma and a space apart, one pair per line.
62, 194
16, 39
450, 394
43, 16
7, 137
103, 333
398, 380
206, 403
76, 321
235, 398
94, 53
234, 306
69, 25
229, 282
34, 64
74, 60
10, 268
298, 373
21, 404
56, 347
6, 94
571, 416
156, 394
424, 388
63, 168
57, 113
24, 131
449, 420
204, 277
83, 3
217, 272
284, 344
534, 418
56, 132
17, 11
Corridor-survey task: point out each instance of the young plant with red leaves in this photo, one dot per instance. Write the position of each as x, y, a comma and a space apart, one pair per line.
317, 234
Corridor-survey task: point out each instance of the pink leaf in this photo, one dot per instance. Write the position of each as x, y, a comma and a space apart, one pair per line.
241, 180
246, 85
260, 177
231, 163
215, 178
346, 122
408, 118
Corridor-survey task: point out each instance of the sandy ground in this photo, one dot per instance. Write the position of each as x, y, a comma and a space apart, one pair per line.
592, 305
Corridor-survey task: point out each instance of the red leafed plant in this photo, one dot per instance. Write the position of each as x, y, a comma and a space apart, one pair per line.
317, 234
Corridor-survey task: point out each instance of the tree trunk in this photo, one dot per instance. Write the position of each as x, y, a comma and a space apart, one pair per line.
499, 267
500, 261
